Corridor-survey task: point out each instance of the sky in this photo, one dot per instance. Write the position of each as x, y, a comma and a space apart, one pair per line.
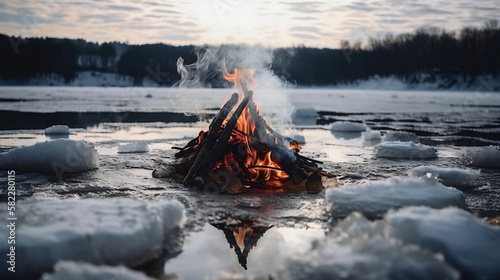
259, 22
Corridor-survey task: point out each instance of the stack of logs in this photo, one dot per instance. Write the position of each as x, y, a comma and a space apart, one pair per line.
197, 163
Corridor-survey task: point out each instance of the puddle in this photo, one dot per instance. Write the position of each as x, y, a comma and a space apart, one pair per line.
224, 248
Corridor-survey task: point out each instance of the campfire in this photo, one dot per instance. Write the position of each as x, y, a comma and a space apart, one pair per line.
241, 152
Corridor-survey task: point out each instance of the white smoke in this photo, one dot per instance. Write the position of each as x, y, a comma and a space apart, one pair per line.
270, 93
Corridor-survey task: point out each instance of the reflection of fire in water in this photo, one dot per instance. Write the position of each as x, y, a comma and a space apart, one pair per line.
242, 235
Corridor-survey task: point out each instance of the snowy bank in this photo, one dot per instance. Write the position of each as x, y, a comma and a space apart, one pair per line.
61, 155
404, 150
376, 198
407, 244
57, 130
483, 156
359, 249
467, 243
447, 176
83, 271
135, 147
98, 231
402, 136
346, 126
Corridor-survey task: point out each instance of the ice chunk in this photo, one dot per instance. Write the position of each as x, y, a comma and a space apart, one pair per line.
359, 249
404, 150
304, 116
83, 271
346, 126
52, 156
376, 198
135, 147
98, 231
370, 135
57, 130
448, 176
483, 156
467, 243
370, 138
402, 136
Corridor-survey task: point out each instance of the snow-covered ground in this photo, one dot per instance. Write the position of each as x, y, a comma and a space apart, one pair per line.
310, 233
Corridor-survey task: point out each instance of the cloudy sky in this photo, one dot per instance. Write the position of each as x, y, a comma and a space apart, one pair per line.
258, 22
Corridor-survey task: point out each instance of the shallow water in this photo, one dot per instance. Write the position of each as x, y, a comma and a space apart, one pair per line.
107, 117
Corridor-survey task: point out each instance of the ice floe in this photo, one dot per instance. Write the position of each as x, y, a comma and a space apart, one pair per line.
61, 155
359, 249
346, 126
99, 231
402, 136
57, 130
370, 135
447, 176
83, 271
404, 150
470, 245
483, 156
377, 197
411, 243
135, 147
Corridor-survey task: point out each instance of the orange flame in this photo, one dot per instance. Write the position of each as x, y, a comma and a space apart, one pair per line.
258, 164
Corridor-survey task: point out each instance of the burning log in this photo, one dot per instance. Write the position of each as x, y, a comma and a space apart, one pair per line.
217, 150
241, 152
211, 136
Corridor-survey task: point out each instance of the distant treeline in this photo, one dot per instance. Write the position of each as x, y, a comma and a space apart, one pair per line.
432, 51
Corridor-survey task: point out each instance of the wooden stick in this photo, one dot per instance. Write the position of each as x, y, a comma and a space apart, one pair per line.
224, 111
211, 135
309, 159
186, 149
216, 152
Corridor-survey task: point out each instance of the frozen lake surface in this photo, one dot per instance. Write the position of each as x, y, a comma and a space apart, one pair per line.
288, 224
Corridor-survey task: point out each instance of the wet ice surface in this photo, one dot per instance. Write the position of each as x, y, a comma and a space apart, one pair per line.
449, 122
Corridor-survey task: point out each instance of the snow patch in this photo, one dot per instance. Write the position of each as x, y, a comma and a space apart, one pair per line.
51, 157
467, 243
402, 136
98, 231
135, 147
376, 198
346, 126
447, 176
65, 270
404, 150
57, 130
359, 249
483, 157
